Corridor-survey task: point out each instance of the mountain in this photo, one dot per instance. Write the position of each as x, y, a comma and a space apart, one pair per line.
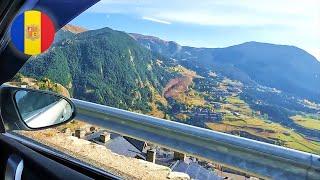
166, 48
256, 90
68, 31
286, 68
74, 29
104, 66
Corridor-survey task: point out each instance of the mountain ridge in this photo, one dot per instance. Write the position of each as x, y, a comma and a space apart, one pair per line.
251, 62
232, 89
74, 29
138, 37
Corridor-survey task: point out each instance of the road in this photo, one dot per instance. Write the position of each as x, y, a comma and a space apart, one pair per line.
54, 113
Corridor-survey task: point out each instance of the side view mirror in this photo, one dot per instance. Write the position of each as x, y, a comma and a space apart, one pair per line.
27, 109
38, 109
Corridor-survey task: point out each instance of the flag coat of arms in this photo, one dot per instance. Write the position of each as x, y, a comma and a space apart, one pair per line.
32, 32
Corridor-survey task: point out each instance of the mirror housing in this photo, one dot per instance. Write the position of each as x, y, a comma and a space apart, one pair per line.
28, 109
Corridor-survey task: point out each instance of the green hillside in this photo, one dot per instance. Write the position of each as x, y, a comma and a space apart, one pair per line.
228, 89
103, 66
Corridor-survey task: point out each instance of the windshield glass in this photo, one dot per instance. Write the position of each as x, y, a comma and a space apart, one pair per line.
250, 69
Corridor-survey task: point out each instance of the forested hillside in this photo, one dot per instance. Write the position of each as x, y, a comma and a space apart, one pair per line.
256, 90
103, 66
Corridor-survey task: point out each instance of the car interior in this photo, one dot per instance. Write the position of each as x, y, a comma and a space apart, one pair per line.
107, 96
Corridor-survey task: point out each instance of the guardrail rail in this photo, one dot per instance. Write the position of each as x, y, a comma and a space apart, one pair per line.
246, 155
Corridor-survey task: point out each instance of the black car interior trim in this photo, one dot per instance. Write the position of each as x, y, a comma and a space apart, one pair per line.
63, 158
36, 166
14, 167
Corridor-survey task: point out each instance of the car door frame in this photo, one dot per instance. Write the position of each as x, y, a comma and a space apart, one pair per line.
61, 158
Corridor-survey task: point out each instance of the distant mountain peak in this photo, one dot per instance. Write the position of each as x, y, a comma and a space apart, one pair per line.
256, 43
150, 38
74, 29
166, 48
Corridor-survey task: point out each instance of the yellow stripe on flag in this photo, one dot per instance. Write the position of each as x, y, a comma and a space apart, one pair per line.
32, 32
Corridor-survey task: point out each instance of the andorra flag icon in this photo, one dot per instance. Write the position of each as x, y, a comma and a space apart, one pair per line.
32, 32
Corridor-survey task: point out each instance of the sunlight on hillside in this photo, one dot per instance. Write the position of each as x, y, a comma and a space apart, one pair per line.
307, 121
242, 121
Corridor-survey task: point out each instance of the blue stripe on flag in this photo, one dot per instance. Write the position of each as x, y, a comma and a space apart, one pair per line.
17, 32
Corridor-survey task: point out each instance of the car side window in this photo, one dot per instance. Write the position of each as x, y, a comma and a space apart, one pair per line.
247, 69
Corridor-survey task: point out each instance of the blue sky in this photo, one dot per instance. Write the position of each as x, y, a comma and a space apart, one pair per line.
213, 23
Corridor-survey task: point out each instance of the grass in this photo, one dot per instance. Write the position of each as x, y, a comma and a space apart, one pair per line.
190, 98
245, 120
235, 104
155, 112
183, 71
277, 132
182, 117
307, 121
156, 98
235, 101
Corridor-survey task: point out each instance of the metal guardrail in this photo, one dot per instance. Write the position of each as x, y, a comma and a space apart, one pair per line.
250, 156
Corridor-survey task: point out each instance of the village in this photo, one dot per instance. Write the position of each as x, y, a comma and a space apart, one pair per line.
215, 91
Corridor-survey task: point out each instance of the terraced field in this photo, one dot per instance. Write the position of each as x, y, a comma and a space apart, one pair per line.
241, 120
310, 122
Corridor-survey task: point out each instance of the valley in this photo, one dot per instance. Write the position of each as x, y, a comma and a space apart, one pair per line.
224, 111
229, 89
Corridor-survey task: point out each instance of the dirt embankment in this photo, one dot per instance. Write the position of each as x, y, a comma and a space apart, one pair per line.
177, 86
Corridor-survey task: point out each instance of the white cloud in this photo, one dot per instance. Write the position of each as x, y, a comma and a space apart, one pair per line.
156, 20
219, 12
208, 19
294, 22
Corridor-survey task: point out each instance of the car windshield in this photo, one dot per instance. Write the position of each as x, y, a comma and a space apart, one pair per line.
250, 69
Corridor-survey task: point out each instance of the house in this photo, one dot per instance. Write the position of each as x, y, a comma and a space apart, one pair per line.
140, 145
195, 170
119, 144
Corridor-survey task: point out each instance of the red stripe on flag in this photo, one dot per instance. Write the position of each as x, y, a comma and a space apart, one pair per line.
47, 32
